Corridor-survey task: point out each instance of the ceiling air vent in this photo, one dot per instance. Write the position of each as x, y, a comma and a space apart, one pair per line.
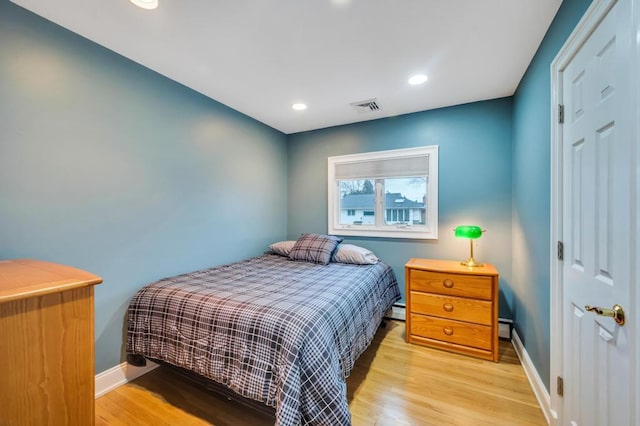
370, 105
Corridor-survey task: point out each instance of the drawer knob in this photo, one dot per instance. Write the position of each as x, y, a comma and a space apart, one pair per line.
448, 307
448, 331
447, 283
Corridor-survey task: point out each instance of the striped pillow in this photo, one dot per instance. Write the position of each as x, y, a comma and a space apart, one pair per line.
314, 248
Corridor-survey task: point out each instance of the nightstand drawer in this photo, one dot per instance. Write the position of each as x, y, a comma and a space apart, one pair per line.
473, 286
461, 333
458, 308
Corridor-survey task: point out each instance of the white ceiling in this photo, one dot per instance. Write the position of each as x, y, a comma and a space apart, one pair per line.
261, 56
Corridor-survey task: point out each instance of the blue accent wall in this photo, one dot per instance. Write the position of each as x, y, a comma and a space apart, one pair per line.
474, 181
110, 167
532, 191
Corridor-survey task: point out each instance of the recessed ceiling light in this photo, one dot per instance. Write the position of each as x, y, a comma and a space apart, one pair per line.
340, 3
145, 4
417, 79
299, 107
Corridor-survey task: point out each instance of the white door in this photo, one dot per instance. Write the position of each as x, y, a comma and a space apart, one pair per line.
598, 224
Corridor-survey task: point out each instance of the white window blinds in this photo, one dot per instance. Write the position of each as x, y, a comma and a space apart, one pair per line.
383, 168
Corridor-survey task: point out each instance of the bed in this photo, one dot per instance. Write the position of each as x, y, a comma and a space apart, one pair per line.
282, 331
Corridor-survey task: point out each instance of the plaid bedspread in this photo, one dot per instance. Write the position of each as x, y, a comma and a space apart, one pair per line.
280, 332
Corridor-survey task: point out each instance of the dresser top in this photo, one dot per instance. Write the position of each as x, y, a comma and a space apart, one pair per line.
23, 278
451, 266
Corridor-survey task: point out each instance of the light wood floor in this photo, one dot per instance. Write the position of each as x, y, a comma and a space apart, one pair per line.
393, 383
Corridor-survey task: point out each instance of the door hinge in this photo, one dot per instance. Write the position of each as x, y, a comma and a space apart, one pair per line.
560, 250
560, 113
560, 386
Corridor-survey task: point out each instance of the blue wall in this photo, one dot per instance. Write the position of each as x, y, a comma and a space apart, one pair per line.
113, 168
532, 193
110, 167
474, 180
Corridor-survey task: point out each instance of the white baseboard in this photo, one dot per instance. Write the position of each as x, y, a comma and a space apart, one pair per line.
539, 390
119, 375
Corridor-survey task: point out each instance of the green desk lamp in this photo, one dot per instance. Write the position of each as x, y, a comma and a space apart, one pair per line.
470, 232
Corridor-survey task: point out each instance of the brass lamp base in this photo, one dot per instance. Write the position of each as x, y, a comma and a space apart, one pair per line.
471, 263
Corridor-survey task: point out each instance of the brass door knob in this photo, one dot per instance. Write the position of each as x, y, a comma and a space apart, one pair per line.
617, 313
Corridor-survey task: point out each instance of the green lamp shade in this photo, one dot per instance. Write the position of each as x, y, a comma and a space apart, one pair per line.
468, 231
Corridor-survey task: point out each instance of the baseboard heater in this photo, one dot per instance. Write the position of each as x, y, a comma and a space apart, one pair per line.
397, 312
505, 326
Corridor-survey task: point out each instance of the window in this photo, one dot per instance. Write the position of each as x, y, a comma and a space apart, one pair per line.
405, 215
390, 194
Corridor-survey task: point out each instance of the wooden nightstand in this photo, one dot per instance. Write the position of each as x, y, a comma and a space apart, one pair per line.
47, 344
452, 307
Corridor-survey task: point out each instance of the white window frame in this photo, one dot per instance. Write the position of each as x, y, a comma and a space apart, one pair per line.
380, 229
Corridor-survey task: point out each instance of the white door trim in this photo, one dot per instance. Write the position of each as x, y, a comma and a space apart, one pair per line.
589, 22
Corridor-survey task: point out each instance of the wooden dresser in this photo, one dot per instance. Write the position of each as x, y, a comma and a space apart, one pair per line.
452, 307
46, 344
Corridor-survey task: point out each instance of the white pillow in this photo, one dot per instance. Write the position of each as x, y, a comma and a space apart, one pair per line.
348, 253
282, 248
